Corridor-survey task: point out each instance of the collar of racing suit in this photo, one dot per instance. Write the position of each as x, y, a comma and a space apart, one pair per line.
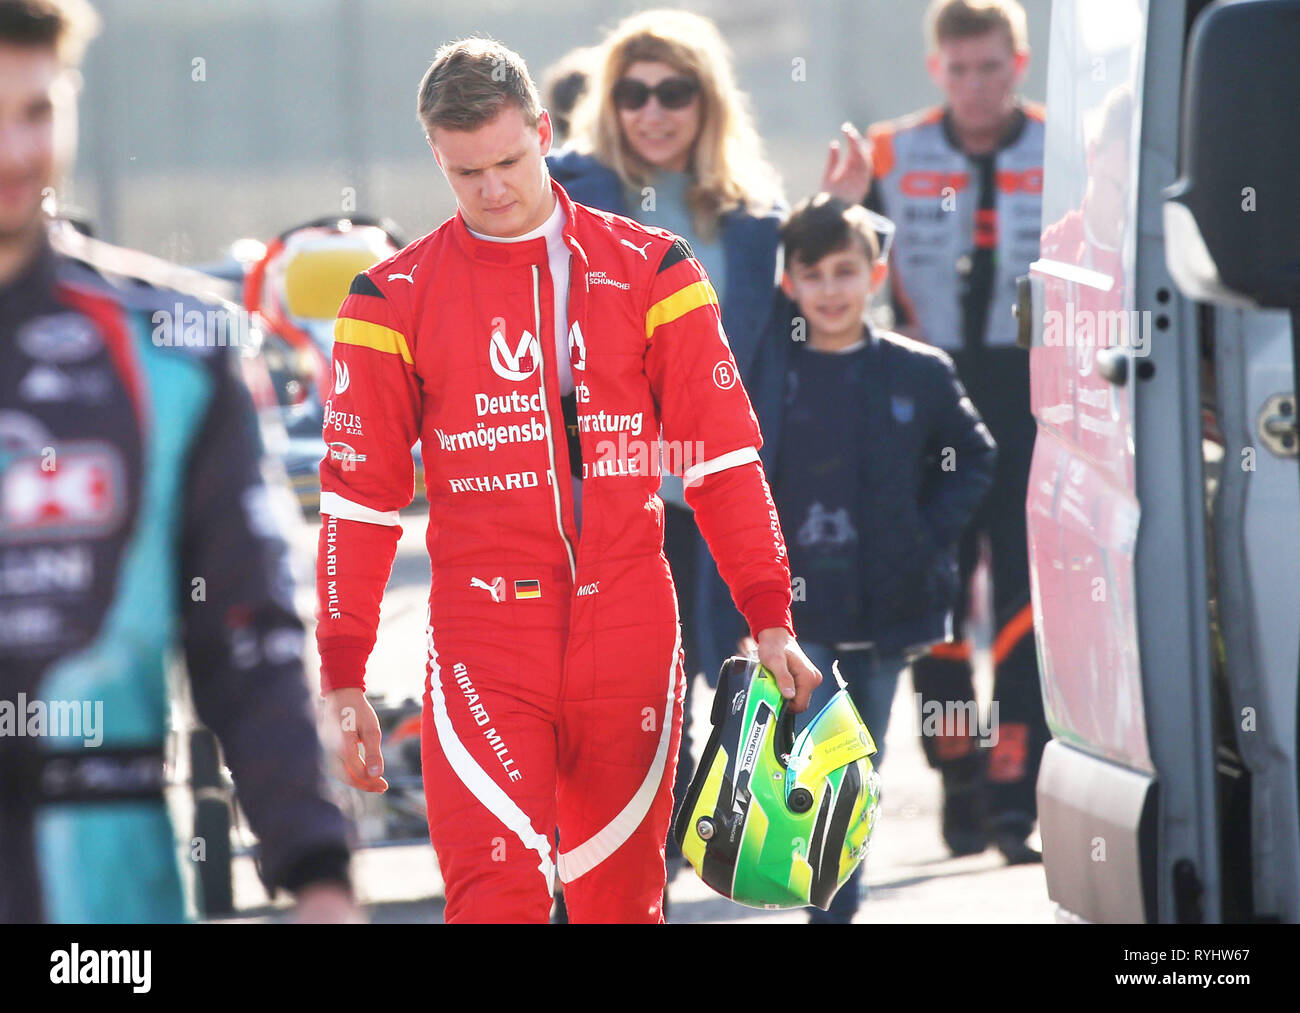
25, 291
1009, 137
530, 251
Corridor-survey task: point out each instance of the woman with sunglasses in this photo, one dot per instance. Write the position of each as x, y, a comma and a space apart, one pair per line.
664, 136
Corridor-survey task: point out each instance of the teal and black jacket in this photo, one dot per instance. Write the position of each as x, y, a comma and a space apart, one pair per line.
133, 523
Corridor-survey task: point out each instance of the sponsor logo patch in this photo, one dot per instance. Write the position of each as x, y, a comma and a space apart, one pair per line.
46, 570
60, 338
507, 404
750, 751
28, 626
345, 453
577, 347
496, 588
491, 437
494, 483
47, 384
514, 364
601, 278
479, 715
607, 422
77, 489
345, 422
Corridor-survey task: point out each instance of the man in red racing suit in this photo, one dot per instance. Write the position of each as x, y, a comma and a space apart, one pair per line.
555, 682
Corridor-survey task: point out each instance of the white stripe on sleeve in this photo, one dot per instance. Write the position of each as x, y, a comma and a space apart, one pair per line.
735, 459
334, 504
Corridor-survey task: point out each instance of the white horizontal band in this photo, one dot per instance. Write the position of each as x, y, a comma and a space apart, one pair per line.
734, 459
335, 505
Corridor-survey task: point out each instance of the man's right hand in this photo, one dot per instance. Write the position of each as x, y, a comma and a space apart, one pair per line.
354, 726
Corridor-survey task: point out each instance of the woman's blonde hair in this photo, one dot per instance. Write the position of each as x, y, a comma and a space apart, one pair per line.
727, 159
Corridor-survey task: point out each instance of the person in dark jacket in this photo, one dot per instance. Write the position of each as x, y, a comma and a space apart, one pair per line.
135, 526
879, 460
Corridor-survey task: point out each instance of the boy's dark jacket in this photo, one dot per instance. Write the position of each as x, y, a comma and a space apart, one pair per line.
908, 561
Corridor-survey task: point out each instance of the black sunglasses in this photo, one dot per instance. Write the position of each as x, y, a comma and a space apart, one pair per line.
672, 92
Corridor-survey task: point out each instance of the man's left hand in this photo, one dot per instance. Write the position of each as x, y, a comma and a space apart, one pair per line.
796, 676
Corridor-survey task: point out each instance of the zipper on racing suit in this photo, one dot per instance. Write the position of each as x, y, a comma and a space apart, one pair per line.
550, 440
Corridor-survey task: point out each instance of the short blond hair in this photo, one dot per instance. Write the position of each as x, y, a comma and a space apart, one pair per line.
468, 83
946, 20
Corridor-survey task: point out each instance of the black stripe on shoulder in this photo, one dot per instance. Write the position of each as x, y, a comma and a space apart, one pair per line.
362, 285
679, 251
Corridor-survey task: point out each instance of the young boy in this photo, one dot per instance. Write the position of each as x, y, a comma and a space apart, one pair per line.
880, 461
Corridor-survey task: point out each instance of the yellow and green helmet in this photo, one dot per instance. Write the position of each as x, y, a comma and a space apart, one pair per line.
771, 820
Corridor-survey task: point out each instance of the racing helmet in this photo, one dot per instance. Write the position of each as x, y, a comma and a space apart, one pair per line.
771, 820
295, 289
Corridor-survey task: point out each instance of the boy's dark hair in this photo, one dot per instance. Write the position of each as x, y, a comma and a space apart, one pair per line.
470, 80
65, 26
823, 224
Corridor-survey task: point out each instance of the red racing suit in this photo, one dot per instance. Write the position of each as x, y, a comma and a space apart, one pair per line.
554, 678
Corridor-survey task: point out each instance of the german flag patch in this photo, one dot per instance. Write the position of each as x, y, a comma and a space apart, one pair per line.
528, 589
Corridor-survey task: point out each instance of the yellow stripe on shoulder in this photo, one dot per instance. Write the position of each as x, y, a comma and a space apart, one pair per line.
351, 331
681, 302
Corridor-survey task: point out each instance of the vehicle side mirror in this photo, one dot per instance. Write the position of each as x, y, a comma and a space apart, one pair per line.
1232, 221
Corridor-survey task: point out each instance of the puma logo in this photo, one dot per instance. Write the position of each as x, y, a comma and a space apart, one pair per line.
406, 277
639, 249
497, 589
